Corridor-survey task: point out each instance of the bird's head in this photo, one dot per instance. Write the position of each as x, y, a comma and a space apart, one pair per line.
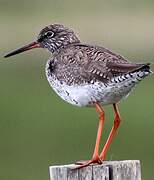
52, 38
55, 36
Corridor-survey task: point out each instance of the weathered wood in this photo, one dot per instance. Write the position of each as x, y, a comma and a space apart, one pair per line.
109, 170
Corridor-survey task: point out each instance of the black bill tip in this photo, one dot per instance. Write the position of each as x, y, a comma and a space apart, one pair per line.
11, 54
24, 48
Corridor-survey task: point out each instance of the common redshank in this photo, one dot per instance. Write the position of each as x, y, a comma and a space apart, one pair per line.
87, 75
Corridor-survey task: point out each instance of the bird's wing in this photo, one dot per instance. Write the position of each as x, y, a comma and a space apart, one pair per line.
79, 64
103, 64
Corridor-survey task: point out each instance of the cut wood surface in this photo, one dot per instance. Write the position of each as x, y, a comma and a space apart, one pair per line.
109, 170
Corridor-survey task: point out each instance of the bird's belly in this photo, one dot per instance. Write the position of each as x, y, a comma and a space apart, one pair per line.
87, 94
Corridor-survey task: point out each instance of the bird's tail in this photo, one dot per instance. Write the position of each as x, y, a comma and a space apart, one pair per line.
136, 75
141, 72
144, 68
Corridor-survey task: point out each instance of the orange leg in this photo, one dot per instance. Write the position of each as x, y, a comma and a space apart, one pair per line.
95, 157
117, 120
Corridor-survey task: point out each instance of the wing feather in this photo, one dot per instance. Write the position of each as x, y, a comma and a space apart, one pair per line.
104, 64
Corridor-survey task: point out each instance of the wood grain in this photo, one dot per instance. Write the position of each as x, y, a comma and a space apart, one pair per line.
109, 170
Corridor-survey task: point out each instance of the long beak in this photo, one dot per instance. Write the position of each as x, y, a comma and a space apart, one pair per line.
32, 45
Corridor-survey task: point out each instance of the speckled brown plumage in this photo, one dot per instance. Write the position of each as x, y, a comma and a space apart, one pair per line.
79, 63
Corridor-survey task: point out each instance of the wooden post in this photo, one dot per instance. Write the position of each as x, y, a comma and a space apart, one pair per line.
109, 170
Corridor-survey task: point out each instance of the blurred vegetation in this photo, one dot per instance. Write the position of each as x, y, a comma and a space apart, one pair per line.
37, 128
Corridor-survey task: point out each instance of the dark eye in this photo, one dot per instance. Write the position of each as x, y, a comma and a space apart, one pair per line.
49, 34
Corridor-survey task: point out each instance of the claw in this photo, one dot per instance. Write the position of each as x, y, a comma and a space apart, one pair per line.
87, 163
83, 165
81, 162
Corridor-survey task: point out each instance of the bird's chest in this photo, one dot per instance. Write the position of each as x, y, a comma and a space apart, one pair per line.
61, 82
73, 94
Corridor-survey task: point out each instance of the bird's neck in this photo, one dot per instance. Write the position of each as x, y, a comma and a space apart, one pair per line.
62, 42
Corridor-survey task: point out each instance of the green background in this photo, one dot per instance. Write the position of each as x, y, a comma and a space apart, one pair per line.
37, 128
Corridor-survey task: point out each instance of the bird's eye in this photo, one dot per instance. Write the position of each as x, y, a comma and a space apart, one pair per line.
49, 34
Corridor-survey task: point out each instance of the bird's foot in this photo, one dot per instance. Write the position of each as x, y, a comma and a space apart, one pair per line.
95, 160
81, 162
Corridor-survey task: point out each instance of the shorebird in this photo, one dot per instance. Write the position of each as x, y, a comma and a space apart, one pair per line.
87, 75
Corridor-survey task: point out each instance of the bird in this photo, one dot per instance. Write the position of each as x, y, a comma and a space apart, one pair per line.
87, 76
